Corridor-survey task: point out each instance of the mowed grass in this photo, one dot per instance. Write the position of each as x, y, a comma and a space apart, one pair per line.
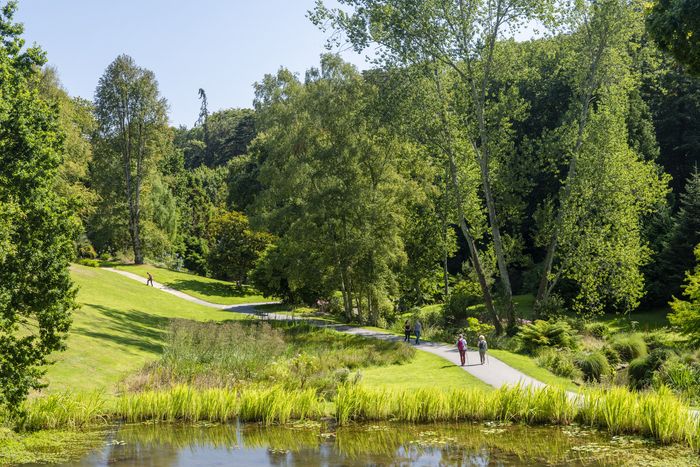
424, 371
120, 326
211, 290
528, 365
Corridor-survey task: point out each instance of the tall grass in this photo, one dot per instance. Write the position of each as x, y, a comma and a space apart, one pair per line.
227, 355
660, 415
185, 403
62, 410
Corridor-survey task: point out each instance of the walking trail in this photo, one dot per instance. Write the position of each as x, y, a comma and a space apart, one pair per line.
495, 372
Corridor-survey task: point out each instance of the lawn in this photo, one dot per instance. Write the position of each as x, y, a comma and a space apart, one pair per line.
211, 290
119, 327
425, 370
528, 366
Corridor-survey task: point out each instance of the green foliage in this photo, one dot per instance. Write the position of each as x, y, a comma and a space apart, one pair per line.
686, 314
629, 346
558, 361
593, 365
211, 355
235, 246
91, 263
682, 377
460, 303
598, 329
641, 370
539, 334
36, 228
474, 329
674, 25
612, 355
132, 134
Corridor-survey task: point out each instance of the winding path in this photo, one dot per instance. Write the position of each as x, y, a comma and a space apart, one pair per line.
495, 372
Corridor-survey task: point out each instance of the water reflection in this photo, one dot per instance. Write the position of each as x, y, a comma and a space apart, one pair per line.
164, 445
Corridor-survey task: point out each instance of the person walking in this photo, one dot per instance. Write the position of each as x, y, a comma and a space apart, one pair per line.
407, 331
417, 328
150, 279
462, 347
483, 347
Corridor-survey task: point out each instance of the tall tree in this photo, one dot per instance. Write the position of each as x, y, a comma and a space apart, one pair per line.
464, 37
132, 123
594, 203
675, 26
36, 228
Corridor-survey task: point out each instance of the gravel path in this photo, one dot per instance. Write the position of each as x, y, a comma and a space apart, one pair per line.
495, 372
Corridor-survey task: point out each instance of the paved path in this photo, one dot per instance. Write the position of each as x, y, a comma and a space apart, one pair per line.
495, 372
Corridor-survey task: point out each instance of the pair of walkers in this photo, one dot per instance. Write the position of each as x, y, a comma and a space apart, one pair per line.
462, 347
417, 329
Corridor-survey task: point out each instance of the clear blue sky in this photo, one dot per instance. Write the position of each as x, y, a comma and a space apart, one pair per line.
223, 46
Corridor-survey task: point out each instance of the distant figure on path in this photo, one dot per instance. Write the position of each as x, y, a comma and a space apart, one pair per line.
150, 279
483, 347
407, 331
462, 347
417, 328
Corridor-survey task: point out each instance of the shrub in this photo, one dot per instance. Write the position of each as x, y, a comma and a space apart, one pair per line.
475, 328
681, 377
629, 346
85, 249
641, 370
540, 334
92, 263
464, 294
552, 308
611, 355
593, 365
559, 362
597, 329
661, 338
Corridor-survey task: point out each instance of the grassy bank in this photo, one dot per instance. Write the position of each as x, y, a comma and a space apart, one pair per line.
120, 326
205, 288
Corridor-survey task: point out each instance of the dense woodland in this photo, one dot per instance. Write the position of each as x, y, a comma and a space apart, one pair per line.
463, 165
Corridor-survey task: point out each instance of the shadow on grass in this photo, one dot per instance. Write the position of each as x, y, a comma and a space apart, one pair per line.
212, 289
129, 328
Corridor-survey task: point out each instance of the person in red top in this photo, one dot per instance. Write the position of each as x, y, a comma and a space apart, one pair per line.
462, 347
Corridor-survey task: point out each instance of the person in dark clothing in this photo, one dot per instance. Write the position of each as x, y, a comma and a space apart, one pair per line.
407, 331
417, 329
483, 347
150, 279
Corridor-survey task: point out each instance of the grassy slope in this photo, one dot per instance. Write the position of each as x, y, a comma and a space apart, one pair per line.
426, 370
118, 328
211, 290
528, 366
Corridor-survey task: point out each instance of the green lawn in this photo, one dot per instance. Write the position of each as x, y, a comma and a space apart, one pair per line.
425, 370
528, 366
211, 290
117, 329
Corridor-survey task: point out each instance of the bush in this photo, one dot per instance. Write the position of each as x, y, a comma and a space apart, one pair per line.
540, 334
85, 249
661, 338
593, 365
597, 329
629, 346
92, 263
474, 329
559, 362
681, 377
463, 295
552, 308
611, 355
641, 370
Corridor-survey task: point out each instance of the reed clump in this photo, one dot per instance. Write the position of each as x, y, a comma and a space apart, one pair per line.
658, 415
186, 403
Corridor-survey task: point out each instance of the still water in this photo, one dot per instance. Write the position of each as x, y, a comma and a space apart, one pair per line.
167, 445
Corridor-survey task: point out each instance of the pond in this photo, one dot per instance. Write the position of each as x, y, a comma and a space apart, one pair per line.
313, 444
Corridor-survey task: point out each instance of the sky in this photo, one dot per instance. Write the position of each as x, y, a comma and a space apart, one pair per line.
223, 46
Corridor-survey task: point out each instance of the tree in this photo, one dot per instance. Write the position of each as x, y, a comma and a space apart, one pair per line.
594, 231
686, 314
333, 185
675, 27
463, 37
132, 126
36, 228
235, 246
676, 256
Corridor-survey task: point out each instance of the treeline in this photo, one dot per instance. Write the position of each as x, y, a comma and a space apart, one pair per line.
463, 163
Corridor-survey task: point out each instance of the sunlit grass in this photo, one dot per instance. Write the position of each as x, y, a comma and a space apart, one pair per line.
205, 288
